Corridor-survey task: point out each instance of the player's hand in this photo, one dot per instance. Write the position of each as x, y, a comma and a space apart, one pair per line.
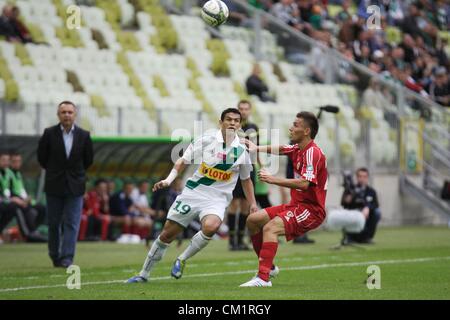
160, 185
253, 208
265, 176
251, 147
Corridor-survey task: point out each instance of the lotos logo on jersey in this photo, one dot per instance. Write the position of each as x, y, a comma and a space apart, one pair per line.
215, 174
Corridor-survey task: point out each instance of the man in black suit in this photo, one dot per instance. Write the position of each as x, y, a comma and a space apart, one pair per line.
65, 151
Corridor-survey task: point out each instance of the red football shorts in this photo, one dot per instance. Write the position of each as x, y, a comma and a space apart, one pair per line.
297, 219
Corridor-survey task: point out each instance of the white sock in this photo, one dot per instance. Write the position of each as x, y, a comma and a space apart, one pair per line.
198, 242
154, 255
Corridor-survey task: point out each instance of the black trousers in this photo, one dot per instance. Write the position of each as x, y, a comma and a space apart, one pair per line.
370, 228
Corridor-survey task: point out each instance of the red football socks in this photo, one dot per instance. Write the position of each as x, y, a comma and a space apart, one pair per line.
266, 256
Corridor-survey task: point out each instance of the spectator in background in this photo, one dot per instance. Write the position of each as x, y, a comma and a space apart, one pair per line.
29, 215
11, 27
21, 30
144, 212
256, 86
443, 14
318, 63
439, 88
125, 213
345, 71
111, 187
288, 12
411, 52
315, 18
121, 208
7, 208
95, 219
344, 15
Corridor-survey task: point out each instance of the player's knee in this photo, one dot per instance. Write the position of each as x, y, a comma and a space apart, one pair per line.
210, 226
252, 220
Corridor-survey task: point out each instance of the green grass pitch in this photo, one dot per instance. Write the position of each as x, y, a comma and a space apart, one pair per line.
414, 264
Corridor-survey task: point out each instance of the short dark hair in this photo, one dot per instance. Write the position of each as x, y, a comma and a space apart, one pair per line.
244, 101
311, 121
230, 110
362, 169
4, 152
67, 102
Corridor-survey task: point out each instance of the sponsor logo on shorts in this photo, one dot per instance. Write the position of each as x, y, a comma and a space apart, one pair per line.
215, 174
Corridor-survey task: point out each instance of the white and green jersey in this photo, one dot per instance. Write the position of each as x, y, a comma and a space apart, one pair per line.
219, 166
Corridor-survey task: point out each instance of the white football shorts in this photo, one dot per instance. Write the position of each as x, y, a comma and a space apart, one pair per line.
190, 205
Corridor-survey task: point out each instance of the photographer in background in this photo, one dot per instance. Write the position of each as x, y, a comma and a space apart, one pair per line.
360, 214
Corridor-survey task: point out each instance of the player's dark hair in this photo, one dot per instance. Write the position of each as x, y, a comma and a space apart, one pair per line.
14, 153
4, 152
67, 102
230, 110
244, 101
311, 121
362, 169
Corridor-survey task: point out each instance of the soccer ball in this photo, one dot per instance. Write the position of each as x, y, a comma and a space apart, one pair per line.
214, 12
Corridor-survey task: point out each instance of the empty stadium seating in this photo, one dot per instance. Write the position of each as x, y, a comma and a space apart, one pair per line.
126, 80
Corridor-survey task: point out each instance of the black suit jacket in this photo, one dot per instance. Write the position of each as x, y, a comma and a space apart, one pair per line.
64, 173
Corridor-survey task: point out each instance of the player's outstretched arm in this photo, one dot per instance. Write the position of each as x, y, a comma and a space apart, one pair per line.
266, 149
178, 167
265, 176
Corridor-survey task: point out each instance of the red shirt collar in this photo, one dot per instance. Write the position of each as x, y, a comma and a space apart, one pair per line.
309, 145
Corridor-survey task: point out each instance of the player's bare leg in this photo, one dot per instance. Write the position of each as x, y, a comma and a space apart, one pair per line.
210, 225
270, 233
158, 249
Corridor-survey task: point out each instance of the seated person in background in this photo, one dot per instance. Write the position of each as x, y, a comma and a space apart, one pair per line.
256, 86
360, 214
13, 206
143, 210
11, 27
439, 88
95, 218
21, 30
123, 211
111, 187
31, 215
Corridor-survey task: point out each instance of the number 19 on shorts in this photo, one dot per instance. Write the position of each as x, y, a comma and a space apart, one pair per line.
182, 208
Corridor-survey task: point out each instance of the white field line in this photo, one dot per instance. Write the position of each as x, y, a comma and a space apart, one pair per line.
191, 266
201, 275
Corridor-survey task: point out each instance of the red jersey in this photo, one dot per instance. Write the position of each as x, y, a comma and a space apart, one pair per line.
311, 165
93, 202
